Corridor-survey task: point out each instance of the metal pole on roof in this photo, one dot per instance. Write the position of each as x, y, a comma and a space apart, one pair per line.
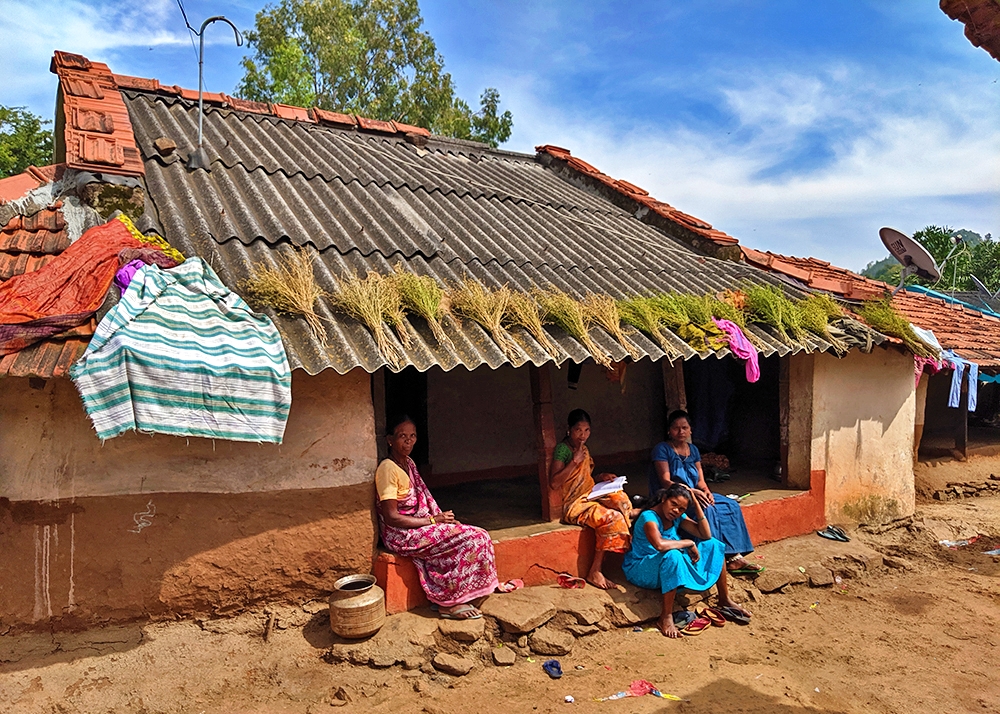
199, 157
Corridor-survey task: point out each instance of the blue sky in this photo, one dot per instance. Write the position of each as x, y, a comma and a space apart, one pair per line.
799, 127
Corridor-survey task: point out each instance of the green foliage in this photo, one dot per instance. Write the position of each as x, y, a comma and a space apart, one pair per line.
23, 141
371, 58
882, 315
767, 305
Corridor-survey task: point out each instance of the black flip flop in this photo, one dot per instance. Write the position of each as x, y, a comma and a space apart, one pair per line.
683, 618
832, 535
734, 615
837, 530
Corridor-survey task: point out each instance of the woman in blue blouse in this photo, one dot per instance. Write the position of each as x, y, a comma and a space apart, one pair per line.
671, 551
679, 461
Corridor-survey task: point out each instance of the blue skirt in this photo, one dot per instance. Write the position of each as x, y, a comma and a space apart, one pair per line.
673, 569
725, 519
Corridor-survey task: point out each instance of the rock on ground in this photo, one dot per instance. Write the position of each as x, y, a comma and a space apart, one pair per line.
452, 664
462, 630
587, 606
504, 656
519, 612
819, 576
582, 630
634, 606
773, 579
550, 641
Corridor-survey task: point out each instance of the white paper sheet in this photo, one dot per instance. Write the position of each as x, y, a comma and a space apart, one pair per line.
606, 488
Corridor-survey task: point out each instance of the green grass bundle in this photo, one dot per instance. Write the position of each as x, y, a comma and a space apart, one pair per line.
767, 305
815, 313
723, 310
374, 302
291, 288
603, 310
422, 296
570, 314
697, 308
672, 309
644, 313
487, 308
524, 311
882, 316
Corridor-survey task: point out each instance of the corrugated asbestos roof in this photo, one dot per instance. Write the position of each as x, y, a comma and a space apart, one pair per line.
368, 201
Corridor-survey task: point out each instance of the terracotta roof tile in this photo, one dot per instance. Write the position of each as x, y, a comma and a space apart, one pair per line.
335, 118
286, 111
970, 333
981, 19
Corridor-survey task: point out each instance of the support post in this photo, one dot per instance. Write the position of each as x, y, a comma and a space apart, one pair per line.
784, 414
378, 408
545, 438
674, 394
962, 436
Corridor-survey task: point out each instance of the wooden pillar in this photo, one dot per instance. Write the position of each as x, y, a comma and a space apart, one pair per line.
674, 394
962, 435
545, 438
784, 413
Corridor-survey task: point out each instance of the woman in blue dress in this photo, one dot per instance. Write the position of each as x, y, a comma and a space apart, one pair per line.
662, 557
679, 461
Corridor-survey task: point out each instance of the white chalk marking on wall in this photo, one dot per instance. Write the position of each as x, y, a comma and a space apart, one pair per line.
143, 518
71, 600
38, 575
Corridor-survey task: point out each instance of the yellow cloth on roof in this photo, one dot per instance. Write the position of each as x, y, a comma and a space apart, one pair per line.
153, 239
391, 482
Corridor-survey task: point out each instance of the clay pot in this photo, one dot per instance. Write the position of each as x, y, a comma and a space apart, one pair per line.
357, 607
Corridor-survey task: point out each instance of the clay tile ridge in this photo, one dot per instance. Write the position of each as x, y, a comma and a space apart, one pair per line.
313, 115
640, 195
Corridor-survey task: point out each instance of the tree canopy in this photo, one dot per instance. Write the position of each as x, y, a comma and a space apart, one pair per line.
975, 255
366, 57
23, 141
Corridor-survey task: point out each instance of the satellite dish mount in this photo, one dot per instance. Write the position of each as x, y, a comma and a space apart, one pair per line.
911, 255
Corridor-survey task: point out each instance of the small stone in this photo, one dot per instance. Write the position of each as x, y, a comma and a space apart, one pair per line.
519, 612
427, 668
452, 664
359, 656
772, 580
819, 577
164, 145
941, 495
462, 630
739, 658
797, 577
504, 656
412, 662
896, 563
754, 594
381, 660
582, 630
550, 641
586, 606
522, 641
432, 709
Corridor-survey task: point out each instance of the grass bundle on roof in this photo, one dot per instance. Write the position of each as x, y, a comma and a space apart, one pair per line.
722, 309
815, 313
486, 307
421, 295
643, 313
603, 309
290, 288
881, 315
524, 311
767, 305
672, 309
570, 314
374, 301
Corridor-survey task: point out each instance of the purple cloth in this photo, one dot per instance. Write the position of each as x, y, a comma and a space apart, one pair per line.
125, 274
741, 347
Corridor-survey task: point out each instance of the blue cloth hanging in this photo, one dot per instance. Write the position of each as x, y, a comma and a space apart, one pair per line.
959, 364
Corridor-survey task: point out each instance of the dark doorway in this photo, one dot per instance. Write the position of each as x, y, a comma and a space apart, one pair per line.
406, 393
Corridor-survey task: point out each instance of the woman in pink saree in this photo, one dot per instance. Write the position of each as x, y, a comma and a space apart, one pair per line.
454, 561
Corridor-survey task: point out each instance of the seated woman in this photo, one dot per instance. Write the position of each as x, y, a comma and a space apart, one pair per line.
661, 559
678, 461
572, 471
454, 561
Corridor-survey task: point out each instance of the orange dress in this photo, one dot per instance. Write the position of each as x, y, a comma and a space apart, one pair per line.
609, 516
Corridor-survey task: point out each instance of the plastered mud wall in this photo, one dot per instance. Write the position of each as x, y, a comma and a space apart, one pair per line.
160, 526
863, 414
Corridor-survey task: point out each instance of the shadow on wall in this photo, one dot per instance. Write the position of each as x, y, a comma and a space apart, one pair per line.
69, 565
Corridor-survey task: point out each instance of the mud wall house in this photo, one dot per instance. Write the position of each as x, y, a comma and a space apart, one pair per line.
164, 526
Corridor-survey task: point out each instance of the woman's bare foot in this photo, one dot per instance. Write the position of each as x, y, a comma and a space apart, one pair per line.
598, 580
666, 625
465, 611
728, 602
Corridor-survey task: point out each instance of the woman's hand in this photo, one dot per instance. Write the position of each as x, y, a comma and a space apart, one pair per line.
579, 454
693, 553
606, 477
445, 517
705, 497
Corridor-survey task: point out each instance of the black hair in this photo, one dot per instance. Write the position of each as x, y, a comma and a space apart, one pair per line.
675, 415
576, 416
661, 495
395, 421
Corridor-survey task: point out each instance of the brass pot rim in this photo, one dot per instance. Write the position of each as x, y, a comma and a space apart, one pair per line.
367, 578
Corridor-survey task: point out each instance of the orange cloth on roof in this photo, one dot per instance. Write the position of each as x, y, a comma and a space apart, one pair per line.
75, 281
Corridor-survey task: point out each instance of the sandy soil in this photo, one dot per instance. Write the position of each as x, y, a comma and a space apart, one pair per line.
936, 474
921, 636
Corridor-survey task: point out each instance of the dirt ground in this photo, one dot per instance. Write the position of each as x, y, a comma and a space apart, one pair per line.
912, 626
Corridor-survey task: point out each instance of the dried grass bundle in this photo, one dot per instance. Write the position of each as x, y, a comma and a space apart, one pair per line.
882, 316
291, 288
603, 309
570, 314
767, 305
643, 313
374, 301
697, 308
671, 309
523, 311
815, 313
486, 307
421, 295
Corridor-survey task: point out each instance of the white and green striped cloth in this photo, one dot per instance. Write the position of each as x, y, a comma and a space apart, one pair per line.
182, 354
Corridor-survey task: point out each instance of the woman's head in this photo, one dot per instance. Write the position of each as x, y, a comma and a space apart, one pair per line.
401, 434
671, 502
679, 426
578, 426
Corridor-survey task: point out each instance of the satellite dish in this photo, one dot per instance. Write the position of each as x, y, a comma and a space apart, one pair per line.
912, 256
983, 289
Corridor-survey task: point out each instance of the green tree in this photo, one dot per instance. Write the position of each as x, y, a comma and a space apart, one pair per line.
23, 141
366, 57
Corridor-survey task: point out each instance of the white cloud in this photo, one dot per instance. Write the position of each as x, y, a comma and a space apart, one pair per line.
905, 158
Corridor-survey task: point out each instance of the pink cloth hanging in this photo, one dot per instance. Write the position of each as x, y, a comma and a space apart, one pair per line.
932, 366
741, 347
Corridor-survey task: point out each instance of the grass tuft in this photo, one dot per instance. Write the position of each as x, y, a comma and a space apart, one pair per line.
570, 314
290, 288
643, 313
422, 296
374, 301
603, 310
486, 307
767, 305
524, 311
881, 315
